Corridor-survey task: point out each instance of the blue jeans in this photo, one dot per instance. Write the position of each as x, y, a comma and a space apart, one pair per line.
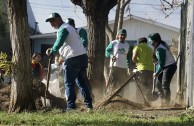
75, 69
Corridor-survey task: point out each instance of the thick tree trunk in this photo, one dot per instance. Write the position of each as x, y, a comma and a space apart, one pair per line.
96, 50
96, 12
21, 90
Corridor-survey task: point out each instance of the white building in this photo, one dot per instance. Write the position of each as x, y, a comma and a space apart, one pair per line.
140, 27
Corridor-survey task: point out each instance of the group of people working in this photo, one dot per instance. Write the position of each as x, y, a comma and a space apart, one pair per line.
146, 55
71, 46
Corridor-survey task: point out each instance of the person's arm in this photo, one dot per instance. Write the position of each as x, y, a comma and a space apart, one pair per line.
84, 37
134, 55
62, 35
109, 50
161, 56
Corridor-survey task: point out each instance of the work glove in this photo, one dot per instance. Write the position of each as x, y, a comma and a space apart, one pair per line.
48, 52
129, 71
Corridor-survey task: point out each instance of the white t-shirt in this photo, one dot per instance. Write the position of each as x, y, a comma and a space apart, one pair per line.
120, 50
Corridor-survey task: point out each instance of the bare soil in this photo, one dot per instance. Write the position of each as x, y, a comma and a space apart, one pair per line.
117, 104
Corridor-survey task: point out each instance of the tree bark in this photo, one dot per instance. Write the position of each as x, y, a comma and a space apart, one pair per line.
96, 12
96, 50
123, 4
21, 89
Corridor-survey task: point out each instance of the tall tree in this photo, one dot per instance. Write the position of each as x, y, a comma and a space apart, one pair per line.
21, 90
3, 21
96, 12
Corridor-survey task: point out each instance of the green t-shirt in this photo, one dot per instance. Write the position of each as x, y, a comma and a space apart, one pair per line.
144, 57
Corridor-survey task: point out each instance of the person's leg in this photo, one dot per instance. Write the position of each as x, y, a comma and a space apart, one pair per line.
70, 73
83, 87
138, 79
113, 80
148, 83
159, 85
82, 81
166, 80
121, 78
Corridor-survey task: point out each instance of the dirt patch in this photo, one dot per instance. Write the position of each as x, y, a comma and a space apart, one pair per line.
5, 91
116, 104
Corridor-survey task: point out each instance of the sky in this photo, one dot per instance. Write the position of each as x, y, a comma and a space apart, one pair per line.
39, 10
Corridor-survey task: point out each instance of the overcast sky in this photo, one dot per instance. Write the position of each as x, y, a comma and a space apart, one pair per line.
39, 10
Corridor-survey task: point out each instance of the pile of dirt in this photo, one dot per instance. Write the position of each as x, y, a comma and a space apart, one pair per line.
119, 103
5, 91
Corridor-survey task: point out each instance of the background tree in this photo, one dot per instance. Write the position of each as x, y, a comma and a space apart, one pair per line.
3, 22
96, 12
21, 90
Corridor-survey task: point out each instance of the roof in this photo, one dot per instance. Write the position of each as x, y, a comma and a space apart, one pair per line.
46, 35
149, 22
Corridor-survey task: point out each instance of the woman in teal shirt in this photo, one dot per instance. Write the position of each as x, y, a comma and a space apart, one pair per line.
166, 67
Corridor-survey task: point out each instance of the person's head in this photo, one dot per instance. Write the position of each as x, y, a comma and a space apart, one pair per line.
70, 21
122, 34
154, 39
36, 57
142, 40
55, 20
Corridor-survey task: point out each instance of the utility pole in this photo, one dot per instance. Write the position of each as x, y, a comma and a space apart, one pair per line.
189, 54
181, 71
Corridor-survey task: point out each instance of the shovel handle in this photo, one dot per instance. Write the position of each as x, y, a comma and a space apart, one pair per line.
48, 78
154, 79
110, 72
48, 74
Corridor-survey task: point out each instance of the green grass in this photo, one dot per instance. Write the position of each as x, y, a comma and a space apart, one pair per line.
96, 118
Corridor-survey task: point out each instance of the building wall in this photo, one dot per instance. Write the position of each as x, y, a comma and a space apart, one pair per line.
40, 45
36, 43
136, 29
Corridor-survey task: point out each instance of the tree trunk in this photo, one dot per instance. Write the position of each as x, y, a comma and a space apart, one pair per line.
96, 50
181, 76
96, 12
21, 90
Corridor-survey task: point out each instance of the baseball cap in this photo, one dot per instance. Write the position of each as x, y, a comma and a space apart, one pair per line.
154, 37
122, 32
52, 16
70, 21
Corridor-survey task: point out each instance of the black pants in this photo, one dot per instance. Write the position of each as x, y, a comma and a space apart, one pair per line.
144, 79
164, 80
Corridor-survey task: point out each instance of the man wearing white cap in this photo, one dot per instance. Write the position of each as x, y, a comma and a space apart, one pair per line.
70, 48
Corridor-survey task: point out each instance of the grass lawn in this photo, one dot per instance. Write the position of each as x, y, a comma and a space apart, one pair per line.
95, 118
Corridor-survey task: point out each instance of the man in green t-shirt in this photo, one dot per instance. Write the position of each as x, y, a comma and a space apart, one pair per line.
142, 57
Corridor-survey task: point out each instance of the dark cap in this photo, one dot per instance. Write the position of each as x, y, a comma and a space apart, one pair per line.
142, 40
154, 37
70, 21
122, 32
53, 16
